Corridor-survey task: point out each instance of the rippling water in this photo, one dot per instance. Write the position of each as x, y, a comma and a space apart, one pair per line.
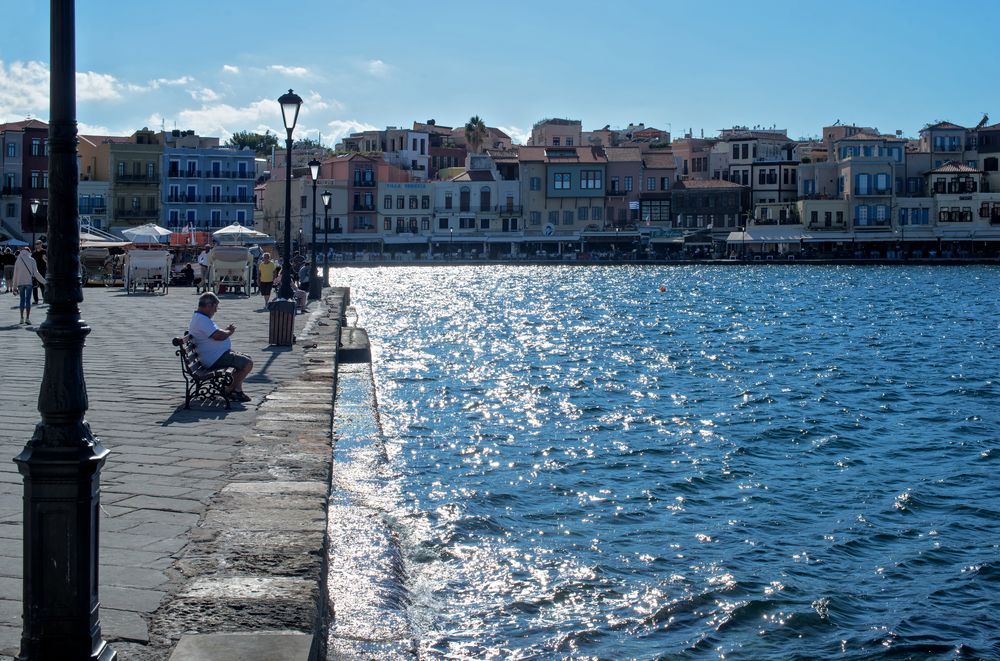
761, 462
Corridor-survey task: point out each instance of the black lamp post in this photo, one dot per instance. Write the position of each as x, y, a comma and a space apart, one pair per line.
326, 236
315, 288
282, 319
61, 464
34, 221
451, 243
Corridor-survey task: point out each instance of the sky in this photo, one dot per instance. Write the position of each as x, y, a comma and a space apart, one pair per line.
218, 67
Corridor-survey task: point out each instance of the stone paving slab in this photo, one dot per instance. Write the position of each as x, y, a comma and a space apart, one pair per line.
166, 463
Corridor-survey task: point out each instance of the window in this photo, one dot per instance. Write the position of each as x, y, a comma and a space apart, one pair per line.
484, 223
762, 177
467, 223
555, 141
746, 150
567, 217
45, 178
862, 184
425, 201
561, 181
463, 198
591, 180
861, 215
569, 142
595, 213
614, 184
425, 223
190, 215
664, 183
484, 198
736, 152
216, 217
10, 210
990, 164
36, 146
535, 217
363, 223
628, 184
554, 217
881, 183
387, 225
814, 217
135, 203
121, 168
442, 223
413, 201
447, 200
400, 202
535, 183
650, 183
150, 170
36, 179
175, 217
582, 213
828, 218
11, 150
400, 225
387, 202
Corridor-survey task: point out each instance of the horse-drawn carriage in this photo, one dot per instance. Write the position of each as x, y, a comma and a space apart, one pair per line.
148, 271
230, 268
102, 265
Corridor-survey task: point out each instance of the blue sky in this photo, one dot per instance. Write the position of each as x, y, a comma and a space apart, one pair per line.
219, 66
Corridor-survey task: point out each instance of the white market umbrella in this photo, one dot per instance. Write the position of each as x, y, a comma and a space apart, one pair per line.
150, 233
239, 233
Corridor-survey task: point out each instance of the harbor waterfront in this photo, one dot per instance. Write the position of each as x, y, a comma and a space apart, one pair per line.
751, 463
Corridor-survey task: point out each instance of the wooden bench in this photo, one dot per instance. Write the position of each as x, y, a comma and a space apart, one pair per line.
200, 381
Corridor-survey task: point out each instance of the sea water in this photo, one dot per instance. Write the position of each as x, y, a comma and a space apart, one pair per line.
758, 462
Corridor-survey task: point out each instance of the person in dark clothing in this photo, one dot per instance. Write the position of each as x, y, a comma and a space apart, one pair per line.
40, 263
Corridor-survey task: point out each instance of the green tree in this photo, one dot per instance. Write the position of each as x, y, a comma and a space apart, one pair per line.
475, 133
260, 143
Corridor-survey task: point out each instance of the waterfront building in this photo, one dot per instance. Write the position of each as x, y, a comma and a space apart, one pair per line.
565, 187
988, 156
659, 172
133, 167
408, 150
93, 203
557, 133
24, 176
443, 151
206, 186
621, 206
693, 157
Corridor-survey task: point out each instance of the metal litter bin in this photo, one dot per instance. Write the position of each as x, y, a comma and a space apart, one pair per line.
281, 331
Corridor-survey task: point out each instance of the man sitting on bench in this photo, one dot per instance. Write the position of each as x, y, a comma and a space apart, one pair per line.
214, 347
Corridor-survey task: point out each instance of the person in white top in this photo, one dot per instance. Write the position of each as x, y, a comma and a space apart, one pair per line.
25, 274
214, 347
203, 264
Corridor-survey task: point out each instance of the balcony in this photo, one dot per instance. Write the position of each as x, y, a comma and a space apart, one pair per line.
365, 183
137, 213
136, 179
10, 190
874, 192
363, 207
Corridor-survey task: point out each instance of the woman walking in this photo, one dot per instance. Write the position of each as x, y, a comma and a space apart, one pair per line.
25, 274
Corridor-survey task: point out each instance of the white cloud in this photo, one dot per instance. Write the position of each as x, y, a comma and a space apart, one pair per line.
229, 68
299, 72
378, 68
341, 128
90, 129
222, 119
160, 82
91, 86
519, 136
24, 90
204, 95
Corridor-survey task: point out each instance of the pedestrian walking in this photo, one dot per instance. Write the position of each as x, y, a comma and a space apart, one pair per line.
7, 259
41, 262
266, 272
25, 274
203, 265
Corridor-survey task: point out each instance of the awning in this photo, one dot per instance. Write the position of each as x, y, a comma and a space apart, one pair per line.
399, 239
768, 234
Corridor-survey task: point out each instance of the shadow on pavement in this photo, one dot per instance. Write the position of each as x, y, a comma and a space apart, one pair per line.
199, 411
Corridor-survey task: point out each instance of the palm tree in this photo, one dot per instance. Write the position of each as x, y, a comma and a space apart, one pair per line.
475, 133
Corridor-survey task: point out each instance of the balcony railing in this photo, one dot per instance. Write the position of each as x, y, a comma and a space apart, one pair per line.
209, 174
363, 207
365, 183
136, 179
137, 213
10, 190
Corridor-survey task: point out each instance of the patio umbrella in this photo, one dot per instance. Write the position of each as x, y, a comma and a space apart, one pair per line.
13, 243
238, 233
150, 233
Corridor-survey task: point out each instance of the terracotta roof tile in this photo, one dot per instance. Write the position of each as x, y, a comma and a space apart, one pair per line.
952, 167
24, 124
659, 161
944, 125
623, 154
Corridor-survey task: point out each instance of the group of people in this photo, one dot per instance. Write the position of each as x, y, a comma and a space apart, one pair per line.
24, 275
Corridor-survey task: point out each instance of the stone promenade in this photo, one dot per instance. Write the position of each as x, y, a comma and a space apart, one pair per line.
198, 506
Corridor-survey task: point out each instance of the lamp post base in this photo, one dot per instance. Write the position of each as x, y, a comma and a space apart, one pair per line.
281, 330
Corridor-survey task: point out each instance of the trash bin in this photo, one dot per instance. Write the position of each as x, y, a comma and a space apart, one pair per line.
282, 327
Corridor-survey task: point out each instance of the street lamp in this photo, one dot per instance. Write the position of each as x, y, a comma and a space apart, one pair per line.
61, 464
451, 243
282, 320
315, 290
326, 236
34, 210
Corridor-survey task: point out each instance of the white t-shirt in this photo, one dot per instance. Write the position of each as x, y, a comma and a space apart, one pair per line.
203, 259
209, 350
